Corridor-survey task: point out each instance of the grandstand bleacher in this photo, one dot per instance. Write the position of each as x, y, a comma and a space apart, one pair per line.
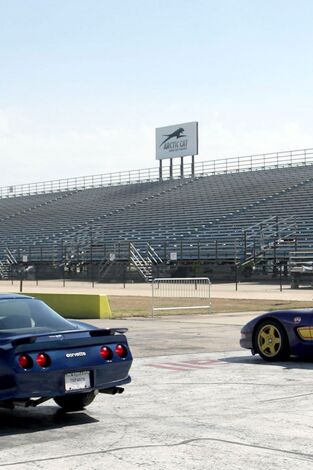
256, 210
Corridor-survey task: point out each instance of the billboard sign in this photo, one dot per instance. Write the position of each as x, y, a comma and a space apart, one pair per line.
175, 141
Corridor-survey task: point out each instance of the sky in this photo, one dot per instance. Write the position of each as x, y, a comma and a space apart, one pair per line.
84, 83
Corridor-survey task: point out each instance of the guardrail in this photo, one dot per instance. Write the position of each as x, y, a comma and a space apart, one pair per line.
227, 165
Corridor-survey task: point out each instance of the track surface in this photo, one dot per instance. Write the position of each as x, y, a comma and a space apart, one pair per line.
196, 402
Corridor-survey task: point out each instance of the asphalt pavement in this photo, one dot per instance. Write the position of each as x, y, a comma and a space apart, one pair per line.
197, 401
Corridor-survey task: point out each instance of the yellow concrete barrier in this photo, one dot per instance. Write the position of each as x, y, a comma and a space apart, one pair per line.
77, 305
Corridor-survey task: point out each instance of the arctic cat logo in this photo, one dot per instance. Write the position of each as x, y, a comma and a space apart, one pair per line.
178, 134
177, 140
78, 354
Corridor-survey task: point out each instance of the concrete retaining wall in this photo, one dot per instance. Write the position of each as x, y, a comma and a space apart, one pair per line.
77, 305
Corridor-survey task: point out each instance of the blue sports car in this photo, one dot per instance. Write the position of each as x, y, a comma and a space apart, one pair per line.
277, 335
43, 356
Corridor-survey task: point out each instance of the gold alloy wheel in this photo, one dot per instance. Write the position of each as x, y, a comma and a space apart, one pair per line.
269, 340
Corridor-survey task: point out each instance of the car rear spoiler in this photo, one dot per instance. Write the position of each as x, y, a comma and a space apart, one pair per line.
108, 331
96, 337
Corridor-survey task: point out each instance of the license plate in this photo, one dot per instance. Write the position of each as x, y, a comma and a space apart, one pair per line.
77, 381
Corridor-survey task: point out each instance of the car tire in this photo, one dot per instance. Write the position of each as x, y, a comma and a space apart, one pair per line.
75, 402
271, 341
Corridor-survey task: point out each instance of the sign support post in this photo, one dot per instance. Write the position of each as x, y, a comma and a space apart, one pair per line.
171, 168
181, 167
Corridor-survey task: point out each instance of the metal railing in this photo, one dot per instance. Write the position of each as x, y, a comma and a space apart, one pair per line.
153, 255
264, 161
168, 251
179, 294
144, 266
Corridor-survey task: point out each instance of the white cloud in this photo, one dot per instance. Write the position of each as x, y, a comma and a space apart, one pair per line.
30, 154
4, 123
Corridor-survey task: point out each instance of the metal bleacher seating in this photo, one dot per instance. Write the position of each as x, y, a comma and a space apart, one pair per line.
196, 209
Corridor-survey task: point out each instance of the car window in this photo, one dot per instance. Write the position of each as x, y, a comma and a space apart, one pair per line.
30, 314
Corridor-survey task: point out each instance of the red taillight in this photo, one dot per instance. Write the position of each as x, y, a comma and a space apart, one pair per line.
106, 353
121, 350
25, 361
43, 360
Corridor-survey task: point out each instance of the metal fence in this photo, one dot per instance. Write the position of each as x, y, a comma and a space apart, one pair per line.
227, 165
169, 251
180, 294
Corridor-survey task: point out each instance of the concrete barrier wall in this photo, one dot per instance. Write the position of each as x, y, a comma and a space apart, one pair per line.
77, 305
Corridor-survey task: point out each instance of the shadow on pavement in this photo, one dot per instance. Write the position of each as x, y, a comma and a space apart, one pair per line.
293, 363
43, 418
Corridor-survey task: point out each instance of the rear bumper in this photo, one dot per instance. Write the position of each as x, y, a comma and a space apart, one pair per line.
51, 384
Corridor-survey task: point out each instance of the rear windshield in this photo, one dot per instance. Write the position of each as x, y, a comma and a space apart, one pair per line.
30, 315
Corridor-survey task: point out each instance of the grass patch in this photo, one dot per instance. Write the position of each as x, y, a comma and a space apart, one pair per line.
139, 306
